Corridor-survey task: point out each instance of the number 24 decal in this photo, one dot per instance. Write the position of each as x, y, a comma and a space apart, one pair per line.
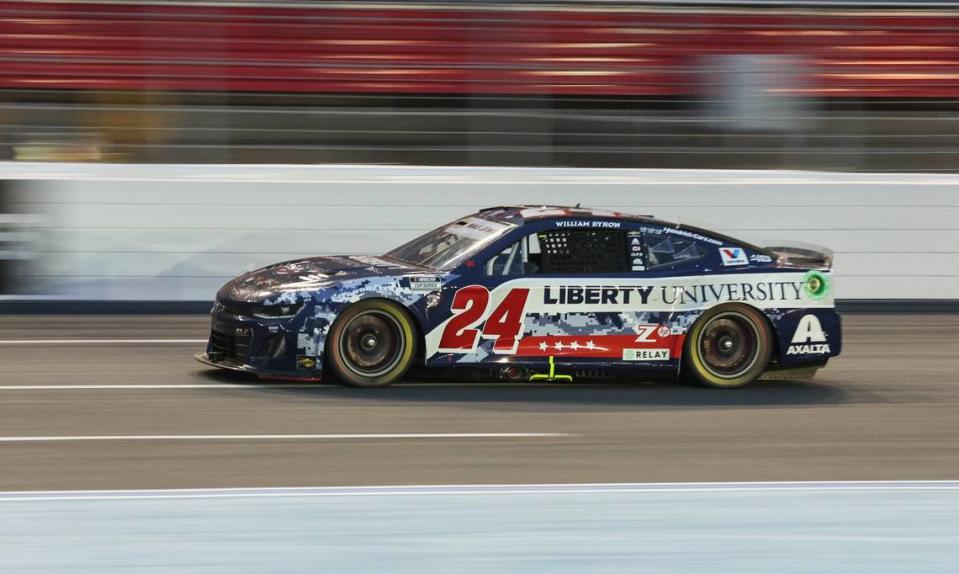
469, 308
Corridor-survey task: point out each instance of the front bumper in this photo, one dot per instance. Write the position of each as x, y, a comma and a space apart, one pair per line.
266, 347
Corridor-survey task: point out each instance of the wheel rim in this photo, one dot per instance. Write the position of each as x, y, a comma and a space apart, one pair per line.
372, 343
729, 345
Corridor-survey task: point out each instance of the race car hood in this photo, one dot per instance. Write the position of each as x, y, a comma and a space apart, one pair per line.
306, 275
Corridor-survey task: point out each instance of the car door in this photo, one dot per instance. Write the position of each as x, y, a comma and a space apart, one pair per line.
580, 301
590, 291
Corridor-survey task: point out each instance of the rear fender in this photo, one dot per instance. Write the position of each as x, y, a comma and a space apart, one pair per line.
807, 335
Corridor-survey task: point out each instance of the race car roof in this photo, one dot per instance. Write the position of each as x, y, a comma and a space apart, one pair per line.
524, 213
520, 214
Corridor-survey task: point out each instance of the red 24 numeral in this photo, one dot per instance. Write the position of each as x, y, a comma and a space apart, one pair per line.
469, 307
506, 322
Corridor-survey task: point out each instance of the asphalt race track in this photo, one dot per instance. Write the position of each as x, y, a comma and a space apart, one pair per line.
117, 402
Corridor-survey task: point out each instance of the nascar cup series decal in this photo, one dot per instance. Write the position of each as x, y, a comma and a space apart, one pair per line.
499, 314
421, 283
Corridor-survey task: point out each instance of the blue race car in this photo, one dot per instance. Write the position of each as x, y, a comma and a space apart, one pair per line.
536, 293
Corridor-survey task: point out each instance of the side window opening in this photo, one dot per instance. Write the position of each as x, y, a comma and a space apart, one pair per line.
510, 261
584, 251
520, 258
534, 256
563, 251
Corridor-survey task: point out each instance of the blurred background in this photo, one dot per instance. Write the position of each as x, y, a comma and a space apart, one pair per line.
709, 84
837, 86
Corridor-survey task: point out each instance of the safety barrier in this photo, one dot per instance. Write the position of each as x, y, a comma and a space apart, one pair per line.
177, 232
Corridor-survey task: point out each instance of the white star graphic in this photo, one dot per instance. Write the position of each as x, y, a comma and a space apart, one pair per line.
590, 344
543, 346
574, 345
558, 346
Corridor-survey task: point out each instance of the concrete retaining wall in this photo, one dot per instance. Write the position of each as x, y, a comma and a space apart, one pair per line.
177, 232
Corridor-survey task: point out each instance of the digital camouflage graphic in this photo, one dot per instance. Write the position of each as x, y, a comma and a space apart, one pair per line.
521, 286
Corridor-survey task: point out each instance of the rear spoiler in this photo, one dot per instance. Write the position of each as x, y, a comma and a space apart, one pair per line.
802, 255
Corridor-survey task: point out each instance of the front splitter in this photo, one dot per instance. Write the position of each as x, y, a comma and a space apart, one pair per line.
248, 369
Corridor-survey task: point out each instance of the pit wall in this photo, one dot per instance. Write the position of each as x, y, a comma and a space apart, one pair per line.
177, 232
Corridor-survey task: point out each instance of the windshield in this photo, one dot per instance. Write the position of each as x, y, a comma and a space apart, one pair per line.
448, 246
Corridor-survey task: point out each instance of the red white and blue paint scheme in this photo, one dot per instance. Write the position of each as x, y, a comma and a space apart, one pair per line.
542, 292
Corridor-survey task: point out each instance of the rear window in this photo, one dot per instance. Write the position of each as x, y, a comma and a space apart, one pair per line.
663, 250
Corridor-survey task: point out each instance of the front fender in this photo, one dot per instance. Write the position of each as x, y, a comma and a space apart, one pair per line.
329, 303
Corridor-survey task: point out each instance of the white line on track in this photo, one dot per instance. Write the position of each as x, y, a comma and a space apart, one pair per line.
225, 386
488, 489
101, 341
254, 386
243, 437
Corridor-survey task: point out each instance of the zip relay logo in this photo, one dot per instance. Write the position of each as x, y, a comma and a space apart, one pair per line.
733, 256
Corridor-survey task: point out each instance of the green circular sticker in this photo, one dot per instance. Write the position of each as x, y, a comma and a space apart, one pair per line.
816, 284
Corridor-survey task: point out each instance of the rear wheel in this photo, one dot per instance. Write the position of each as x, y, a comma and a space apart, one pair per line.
728, 346
372, 344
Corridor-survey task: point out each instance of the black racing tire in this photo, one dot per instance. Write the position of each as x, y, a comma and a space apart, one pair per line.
371, 344
729, 346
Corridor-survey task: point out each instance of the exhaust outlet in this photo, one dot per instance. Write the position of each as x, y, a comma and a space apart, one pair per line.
513, 374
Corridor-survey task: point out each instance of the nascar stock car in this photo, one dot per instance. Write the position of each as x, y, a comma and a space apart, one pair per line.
536, 293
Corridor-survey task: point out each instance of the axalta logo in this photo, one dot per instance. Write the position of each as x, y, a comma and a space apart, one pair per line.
809, 338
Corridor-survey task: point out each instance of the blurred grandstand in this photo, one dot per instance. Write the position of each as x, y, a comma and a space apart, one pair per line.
711, 84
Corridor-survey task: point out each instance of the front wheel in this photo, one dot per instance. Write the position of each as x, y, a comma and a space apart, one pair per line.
728, 346
372, 344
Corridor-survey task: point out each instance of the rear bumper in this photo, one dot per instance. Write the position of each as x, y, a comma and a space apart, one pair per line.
804, 371
819, 339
